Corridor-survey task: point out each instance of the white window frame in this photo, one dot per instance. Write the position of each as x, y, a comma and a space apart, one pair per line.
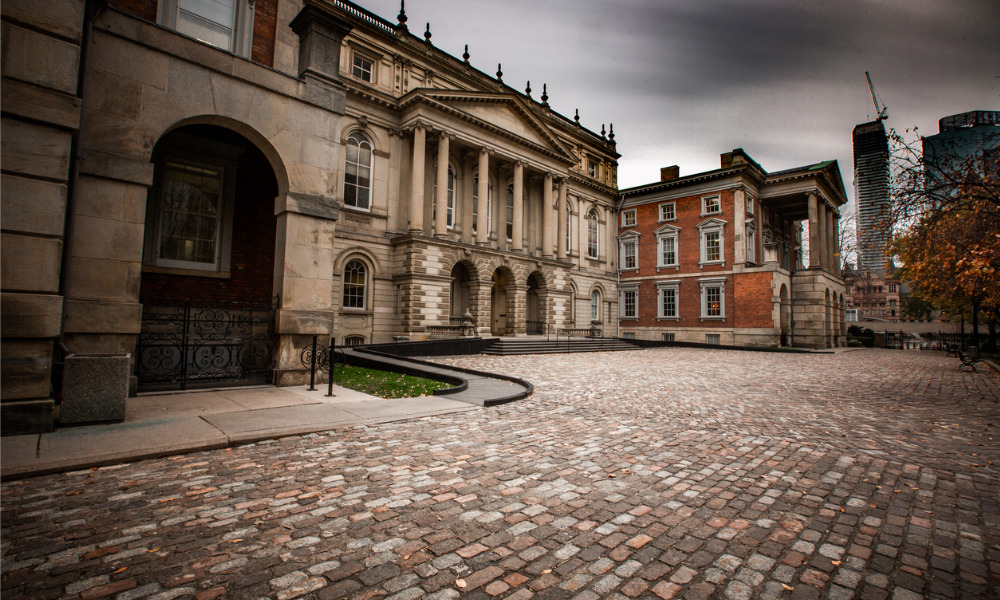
668, 232
664, 209
210, 155
628, 218
749, 206
662, 288
713, 199
361, 139
242, 40
715, 283
710, 226
625, 292
595, 305
628, 247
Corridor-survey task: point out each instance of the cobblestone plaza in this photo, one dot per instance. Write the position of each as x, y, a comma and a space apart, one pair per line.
667, 473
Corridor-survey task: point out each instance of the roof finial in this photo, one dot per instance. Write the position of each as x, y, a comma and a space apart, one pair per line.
611, 135
545, 95
527, 90
465, 54
499, 73
427, 34
577, 117
401, 17
603, 131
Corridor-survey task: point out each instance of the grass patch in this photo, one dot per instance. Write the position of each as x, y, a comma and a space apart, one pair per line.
386, 384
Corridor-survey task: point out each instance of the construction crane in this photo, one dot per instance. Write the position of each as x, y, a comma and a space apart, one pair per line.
883, 113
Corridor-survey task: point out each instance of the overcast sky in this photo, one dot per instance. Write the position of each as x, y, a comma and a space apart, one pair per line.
686, 80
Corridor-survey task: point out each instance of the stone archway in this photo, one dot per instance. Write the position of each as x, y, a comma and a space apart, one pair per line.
536, 301
461, 295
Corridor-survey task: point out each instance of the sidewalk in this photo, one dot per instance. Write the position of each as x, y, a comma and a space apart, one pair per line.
173, 423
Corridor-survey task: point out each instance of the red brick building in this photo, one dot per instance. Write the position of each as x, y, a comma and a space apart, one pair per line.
717, 257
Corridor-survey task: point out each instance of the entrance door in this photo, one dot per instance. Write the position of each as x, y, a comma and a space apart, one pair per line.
499, 304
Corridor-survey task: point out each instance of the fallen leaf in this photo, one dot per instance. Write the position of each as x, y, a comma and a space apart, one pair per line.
460, 583
546, 571
836, 562
236, 540
121, 570
787, 587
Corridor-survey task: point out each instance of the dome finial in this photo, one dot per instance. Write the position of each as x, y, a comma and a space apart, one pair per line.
465, 55
527, 90
611, 135
499, 73
603, 131
545, 94
577, 117
427, 34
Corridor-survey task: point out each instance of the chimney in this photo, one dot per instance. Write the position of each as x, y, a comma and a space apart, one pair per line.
737, 157
668, 173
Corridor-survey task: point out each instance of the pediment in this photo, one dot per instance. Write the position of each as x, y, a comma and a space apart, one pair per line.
668, 228
501, 113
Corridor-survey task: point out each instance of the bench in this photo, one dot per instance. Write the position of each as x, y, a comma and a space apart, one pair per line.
969, 357
953, 349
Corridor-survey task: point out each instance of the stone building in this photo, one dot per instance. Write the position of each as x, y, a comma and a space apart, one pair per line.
206, 192
716, 257
875, 294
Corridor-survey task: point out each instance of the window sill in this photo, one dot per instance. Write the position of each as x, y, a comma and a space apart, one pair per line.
722, 319
661, 267
630, 270
713, 263
355, 311
186, 272
668, 318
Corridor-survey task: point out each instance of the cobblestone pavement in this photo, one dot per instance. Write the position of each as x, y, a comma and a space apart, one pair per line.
668, 473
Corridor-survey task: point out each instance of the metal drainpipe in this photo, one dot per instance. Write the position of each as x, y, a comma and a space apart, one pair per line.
92, 10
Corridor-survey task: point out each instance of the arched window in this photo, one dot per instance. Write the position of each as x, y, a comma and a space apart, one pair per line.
595, 305
358, 172
510, 213
592, 248
355, 284
450, 212
354, 340
569, 229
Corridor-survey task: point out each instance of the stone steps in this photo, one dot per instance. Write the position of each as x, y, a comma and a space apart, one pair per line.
509, 346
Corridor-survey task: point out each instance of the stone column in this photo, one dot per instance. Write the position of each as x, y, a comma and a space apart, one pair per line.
441, 197
417, 180
831, 241
814, 244
821, 236
482, 235
839, 260
561, 220
517, 241
547, 216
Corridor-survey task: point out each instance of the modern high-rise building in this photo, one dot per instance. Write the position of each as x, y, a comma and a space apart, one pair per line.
958, 146
871, 191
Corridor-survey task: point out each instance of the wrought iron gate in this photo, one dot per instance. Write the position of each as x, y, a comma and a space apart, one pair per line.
185, 345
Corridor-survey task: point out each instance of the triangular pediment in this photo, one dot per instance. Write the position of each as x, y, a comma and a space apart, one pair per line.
501, 113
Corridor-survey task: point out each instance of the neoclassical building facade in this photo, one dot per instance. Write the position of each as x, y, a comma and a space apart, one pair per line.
207, 192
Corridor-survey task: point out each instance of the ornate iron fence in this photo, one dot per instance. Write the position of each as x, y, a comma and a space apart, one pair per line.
186, 344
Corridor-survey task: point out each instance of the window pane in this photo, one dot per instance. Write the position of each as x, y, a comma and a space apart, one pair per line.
189, 226
357, 172
210, 21
712, 246
354, 284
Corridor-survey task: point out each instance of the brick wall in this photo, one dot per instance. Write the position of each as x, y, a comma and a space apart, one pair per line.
752, 293
252, 258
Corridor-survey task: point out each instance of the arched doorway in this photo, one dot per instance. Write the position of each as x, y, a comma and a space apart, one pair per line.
208, 263
535, 322
460, 293
501, 322
784, 316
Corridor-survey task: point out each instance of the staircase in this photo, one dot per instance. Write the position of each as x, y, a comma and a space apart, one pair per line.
541, 345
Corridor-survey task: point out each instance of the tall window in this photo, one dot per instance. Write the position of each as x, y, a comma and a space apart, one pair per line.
628, 254
712, 250
355, 284
569, 229
510, 213
629, 308
358, 172
189, 219
667, 292
450, 210
475, 204
362, 68
713, 299
595, 305
592, 248
667, 251
226, 24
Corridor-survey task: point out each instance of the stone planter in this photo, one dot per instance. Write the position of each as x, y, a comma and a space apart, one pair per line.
95, 388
